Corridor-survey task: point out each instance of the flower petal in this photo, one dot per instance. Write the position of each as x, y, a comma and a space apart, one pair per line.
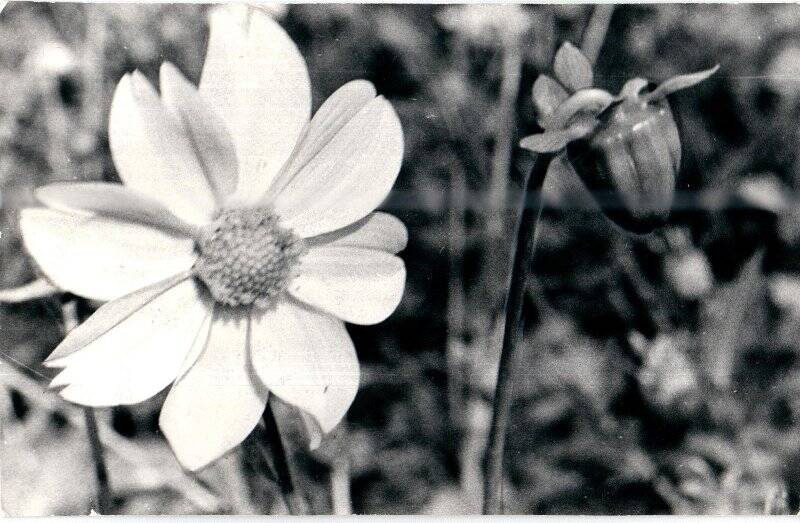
211, 140
199, 344
256, 79
219, 401
349, 176
572, 68
112, 200
153, 154
307, 359
378, 231
334, 114
359, 286
139, 356
547, 95
101, 258
108, 316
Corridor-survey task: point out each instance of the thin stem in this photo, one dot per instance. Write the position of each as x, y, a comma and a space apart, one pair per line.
280, 460
105, 505
596, 29
523, 254
340, 486
456, 240
104, 501
503, 136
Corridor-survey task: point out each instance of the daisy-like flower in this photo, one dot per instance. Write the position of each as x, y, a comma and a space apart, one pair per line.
242, 239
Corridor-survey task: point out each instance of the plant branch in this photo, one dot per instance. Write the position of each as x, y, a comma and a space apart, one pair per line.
280, 461
523, 254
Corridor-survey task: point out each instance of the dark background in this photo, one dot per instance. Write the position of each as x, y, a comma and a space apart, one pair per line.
660, 373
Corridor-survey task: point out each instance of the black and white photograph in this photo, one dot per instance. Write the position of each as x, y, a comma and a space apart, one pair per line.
399, 259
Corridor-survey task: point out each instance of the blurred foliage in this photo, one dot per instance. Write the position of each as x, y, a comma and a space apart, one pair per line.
661, 373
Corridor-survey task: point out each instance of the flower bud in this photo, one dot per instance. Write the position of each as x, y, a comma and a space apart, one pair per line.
625, 148
630, 162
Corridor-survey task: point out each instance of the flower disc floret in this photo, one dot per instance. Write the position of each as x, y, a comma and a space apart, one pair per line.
247, 258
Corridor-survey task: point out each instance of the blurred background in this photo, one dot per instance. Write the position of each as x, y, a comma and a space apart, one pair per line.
660, 374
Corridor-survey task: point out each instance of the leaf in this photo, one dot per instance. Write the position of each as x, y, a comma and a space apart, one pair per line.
572, 69
547, 95
676, 83
725, 314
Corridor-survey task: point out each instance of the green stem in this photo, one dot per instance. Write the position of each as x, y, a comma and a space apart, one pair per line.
280, 461
512, 335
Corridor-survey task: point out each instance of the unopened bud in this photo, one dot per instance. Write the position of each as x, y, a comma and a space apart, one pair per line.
630, 162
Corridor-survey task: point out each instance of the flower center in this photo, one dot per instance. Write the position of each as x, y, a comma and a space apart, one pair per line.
247, 258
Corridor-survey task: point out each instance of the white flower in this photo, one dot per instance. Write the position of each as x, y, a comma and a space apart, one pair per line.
242, 239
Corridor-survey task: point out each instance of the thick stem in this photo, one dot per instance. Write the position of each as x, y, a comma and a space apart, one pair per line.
280, 460
523, 254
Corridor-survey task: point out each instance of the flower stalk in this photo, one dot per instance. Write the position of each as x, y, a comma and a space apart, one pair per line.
104, 502
523, 249
523, 254
104, 499
340, 486
279, 458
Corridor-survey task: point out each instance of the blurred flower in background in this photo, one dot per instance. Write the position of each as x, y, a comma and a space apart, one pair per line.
486, 24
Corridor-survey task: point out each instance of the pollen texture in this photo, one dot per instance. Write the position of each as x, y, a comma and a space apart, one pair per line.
246, 258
